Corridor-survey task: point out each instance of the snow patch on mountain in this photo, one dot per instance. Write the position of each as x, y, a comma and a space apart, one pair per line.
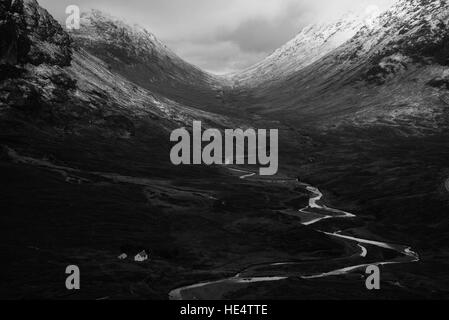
311, 44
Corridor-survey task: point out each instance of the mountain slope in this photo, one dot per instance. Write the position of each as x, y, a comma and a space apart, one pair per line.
311, 44
84, 156
139, 56
391, 71
86, 176
52, 90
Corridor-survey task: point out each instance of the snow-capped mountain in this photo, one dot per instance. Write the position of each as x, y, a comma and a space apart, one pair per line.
139, 56
390, 71
362, 108
412, 30
310, 45
356, 68
47, 79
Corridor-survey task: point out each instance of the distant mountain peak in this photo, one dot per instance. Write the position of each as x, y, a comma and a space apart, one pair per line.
96, 17
311, 43
100, 26
408, 31
136, 54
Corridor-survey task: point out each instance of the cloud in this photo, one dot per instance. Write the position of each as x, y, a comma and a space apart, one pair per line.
220, 35
219, 57
263, 34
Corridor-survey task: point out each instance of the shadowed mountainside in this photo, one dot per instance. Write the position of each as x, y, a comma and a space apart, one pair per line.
139, 56
86, 176
392, 71
85, 122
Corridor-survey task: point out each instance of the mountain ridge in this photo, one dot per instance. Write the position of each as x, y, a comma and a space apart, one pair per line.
371, 79
311, 44
139, 56
84, 152
317, 75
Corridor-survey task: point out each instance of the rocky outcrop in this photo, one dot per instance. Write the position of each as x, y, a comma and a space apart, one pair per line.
29, 34
33, 53
14, 44
412, 31
439, 82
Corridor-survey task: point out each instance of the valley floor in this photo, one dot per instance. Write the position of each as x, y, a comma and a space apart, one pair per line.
204, 226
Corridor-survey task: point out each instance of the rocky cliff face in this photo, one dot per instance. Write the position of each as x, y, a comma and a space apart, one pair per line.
29, 34
34, 50
13, 43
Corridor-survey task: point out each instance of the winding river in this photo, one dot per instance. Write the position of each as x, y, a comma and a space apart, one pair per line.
315, 212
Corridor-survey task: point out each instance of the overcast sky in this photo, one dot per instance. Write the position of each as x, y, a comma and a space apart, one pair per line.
220, 35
